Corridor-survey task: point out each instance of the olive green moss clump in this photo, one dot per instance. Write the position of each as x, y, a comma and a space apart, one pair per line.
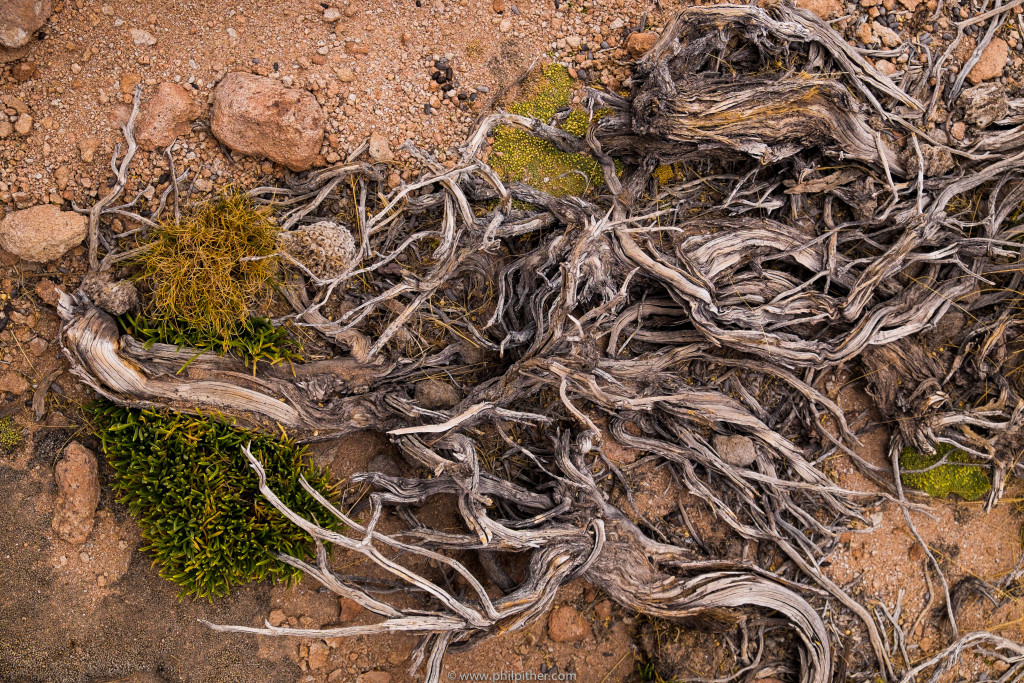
197, 499
10, 434
967, 480
518, 155
197, 273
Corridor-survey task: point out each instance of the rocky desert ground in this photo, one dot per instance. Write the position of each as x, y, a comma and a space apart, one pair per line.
241, 93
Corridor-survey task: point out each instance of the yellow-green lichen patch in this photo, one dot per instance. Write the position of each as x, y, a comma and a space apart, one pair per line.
10, 434
518, 155
961, 475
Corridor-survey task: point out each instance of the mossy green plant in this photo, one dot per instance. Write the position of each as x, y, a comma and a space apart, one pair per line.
961, 474
10, 434
519, 156
197, 499
252, 340
209, 270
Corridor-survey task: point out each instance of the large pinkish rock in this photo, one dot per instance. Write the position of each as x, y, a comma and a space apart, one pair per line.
260, 117
19, 19
78, 493
42, 233
164, 116
990, 65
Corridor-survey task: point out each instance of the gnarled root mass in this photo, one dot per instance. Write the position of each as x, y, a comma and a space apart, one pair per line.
776, 210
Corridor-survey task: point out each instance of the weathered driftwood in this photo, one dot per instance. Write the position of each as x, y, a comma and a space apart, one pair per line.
814, 222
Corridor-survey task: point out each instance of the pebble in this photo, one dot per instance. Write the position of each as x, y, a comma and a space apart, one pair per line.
24, 71
142, 38
332, 15
87, 149
23, 126
78, 493
380, 149
318, 652
567, 625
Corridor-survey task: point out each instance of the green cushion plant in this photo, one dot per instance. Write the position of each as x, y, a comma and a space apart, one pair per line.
518, 155
252, 339
197, 500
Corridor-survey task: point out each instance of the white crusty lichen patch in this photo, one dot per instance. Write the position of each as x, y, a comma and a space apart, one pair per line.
325, 248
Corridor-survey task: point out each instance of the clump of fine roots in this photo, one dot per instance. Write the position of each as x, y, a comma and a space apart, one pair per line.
813, 222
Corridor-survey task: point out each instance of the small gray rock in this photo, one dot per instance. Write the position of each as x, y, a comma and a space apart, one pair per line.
735, 450
431, 393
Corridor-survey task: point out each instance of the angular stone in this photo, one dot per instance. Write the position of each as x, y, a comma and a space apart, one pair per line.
825, 9
992, 61
257, 116
350, 609
142, 38
166, 115
24, 71
380, 149
42, 233
318, 652
13, 383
